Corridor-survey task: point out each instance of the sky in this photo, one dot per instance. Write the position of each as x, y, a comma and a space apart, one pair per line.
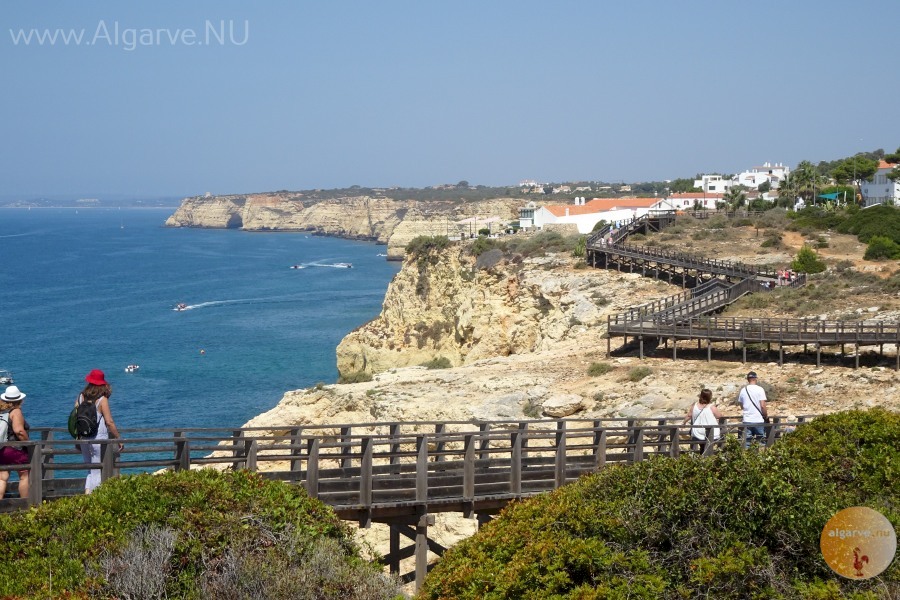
182, 98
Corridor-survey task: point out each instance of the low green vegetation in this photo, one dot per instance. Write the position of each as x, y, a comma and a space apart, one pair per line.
438, 362
538, 244
426, 248
739, 524
597, 369
638, 373
355, 377
192, 534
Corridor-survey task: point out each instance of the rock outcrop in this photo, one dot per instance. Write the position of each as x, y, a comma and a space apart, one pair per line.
460, 309
379, 219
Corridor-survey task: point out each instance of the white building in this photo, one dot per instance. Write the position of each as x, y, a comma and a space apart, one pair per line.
586, 214
690, 201
715, 184
880, 189
756, 176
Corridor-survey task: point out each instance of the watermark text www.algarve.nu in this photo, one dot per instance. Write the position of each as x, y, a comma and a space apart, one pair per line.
113, 34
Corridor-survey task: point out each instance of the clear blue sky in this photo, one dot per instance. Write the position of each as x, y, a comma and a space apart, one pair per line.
331, 94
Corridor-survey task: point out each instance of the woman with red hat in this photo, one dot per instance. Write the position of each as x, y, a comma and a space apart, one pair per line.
97, 391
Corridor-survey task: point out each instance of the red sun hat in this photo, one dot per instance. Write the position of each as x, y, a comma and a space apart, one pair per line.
96, 377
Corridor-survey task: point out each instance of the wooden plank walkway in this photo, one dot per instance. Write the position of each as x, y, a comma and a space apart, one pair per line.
684, 316
396, 473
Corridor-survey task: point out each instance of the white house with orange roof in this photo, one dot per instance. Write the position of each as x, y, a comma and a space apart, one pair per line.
880, 189
585, 214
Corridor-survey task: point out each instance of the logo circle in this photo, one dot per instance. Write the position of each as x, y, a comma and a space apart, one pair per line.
858, 542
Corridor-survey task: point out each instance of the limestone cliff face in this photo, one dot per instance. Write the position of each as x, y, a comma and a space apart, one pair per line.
456, 307
383, 220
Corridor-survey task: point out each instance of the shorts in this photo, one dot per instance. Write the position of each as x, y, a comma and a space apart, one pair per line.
13, 456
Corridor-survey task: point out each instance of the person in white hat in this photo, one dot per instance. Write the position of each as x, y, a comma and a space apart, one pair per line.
14, 426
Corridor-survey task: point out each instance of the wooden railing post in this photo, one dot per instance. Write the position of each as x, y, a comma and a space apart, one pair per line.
250, 450
599, 446
107, 460
394, 430
365, 480
296, 453
638, 444
674, 441
422, 469
182, 452
439, 429
346, 446
469, 468
36, 474
515, 466
312, 468
560, 463
47, 436
237, 445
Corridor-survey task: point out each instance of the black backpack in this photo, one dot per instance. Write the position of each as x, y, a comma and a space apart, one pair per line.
83, 421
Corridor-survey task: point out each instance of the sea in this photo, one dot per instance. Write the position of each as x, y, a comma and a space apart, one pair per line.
93, 288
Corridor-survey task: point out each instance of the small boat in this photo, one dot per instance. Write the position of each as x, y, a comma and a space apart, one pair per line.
298, 266
132, 368
180, 306
6, 377
343, 265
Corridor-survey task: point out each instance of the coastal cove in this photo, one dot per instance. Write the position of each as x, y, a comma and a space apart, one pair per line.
95, 288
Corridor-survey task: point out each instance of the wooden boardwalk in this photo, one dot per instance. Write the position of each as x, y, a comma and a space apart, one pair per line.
711, 285
399, 474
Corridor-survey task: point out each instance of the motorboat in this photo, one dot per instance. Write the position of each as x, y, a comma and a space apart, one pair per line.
343, 265
132, 368
298, 266
181, 306
6, 377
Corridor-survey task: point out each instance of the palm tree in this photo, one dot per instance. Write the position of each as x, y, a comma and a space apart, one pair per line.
735, 197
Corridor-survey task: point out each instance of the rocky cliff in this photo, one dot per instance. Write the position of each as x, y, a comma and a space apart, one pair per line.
382, 220
455, 307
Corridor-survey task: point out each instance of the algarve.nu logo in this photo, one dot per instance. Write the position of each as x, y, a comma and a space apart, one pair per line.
858, 543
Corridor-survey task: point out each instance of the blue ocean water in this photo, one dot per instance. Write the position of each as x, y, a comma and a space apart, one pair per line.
95, 288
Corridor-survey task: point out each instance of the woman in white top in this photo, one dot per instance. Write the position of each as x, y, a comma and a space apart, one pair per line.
98, 392
701, 415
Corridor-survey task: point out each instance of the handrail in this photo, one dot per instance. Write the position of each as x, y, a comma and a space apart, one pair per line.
336, 459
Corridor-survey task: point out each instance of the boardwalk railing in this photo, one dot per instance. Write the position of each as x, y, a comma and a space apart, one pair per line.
361, 469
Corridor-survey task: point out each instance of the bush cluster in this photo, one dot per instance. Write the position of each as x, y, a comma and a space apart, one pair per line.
881, 247
426, 247
807, 261
178, 535
879, 220
740, 524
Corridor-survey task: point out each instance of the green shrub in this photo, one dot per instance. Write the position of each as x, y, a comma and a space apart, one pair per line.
542, 243
597, 369
439, 362
638, 373
807, 261
739, 524
355, 377
182, 525
482, 244
881, 247
879, 220
580, 247
426, 247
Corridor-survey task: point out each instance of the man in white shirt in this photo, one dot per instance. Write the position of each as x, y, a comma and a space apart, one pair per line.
753, 404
